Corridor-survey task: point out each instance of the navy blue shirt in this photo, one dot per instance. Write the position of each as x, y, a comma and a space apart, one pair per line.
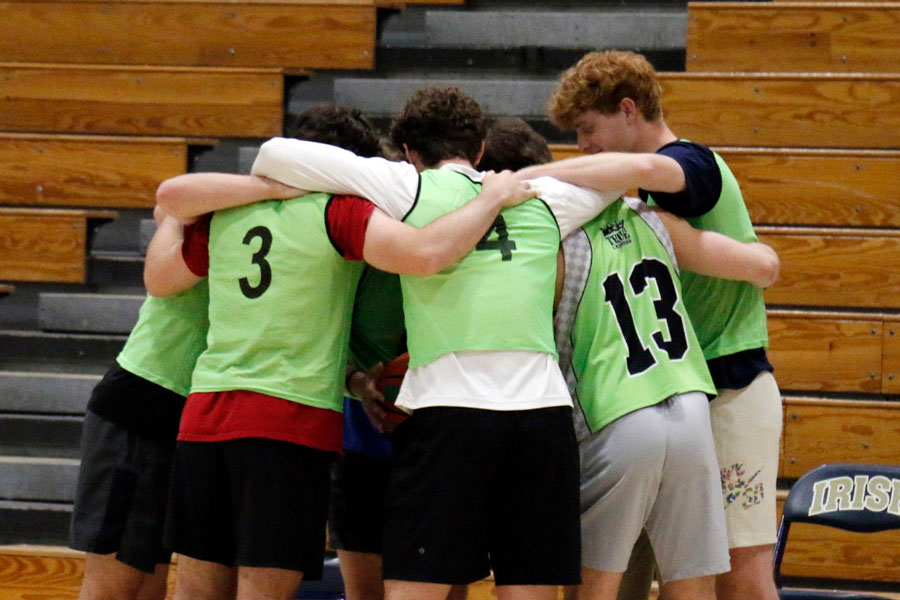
703, 186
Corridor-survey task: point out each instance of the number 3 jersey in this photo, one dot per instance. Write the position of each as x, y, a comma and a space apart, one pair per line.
623, 334
281, 296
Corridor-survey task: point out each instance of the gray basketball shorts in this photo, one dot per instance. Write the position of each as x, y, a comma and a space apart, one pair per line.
655, 469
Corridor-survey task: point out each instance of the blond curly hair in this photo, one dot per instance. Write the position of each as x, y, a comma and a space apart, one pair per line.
599, 81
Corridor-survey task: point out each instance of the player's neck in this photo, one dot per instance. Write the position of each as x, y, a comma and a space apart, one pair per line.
454, 161
654, 136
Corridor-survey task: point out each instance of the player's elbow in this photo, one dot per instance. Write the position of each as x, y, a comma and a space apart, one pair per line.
169, 195
769, 268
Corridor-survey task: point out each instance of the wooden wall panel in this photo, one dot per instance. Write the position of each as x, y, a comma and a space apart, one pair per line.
299, 34
190, 102
793, 37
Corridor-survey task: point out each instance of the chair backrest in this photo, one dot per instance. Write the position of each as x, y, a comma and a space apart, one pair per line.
854, 497
860, 498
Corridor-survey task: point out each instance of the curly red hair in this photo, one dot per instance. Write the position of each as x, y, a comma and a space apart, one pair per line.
599, 81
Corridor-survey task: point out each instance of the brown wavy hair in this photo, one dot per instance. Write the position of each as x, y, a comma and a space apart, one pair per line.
599, 81
440, 123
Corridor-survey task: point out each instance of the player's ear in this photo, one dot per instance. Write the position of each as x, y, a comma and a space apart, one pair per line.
628, 108
479, 157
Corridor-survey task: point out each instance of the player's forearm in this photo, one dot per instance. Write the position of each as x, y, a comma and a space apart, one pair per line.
165, 273
450, 237
614, 170
318, 167
195, 194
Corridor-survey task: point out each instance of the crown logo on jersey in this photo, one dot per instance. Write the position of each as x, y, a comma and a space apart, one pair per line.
616, 234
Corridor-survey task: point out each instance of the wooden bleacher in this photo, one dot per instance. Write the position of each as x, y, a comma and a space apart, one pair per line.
133, 100
81, 170
820, 430
793, 37
835, 267
846, 188
46, 244
805, 110
289, 34
829, 351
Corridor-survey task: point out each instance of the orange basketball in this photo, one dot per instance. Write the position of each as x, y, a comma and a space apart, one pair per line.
389, 385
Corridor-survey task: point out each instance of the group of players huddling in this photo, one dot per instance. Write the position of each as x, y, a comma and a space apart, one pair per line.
588, 389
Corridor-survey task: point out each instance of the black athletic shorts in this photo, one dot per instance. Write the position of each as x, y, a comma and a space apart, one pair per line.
250, 502
474, 490
356, 518
123, 486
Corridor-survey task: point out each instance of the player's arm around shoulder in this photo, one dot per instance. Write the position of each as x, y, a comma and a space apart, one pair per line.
396, 247
716, 255
165, 271
188, 196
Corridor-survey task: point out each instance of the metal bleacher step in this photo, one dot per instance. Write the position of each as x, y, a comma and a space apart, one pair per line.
38, 479
93, 313
498, 96
34, 522
117, 269
39, 351
60, 394
660, 27
48, 436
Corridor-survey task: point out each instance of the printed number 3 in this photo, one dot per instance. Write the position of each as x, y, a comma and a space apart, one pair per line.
258, 259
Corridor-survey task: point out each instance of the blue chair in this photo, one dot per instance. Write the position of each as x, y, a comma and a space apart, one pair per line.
330, 587
859, 498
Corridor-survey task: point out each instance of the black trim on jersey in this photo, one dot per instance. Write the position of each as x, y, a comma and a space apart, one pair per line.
416, 200
547, 206
328, 228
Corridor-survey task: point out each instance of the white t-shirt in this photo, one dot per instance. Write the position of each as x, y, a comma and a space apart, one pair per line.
491, 380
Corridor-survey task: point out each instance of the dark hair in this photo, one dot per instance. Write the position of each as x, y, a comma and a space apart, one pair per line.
512, 144
341, 126
440, 123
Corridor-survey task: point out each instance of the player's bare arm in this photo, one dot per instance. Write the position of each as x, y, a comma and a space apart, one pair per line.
399, 248
188, 196
165, 272
716, 255
614, 170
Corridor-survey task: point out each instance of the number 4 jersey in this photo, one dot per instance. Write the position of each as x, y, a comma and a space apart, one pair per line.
623, 333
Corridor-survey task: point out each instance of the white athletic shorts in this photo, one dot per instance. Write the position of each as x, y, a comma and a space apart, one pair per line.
746, 427
655, 469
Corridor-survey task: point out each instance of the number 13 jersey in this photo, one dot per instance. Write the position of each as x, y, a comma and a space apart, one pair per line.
625, 338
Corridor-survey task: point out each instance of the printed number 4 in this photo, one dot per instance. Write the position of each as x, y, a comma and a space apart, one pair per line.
258, 259
502, 243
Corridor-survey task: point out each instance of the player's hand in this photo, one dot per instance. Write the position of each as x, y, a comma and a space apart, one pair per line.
361, 384
509, 190
280, 191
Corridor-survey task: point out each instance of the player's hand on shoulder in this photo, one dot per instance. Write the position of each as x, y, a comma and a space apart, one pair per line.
508, 188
